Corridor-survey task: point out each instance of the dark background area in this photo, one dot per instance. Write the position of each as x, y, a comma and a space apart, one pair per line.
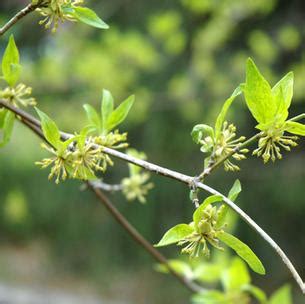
181, 59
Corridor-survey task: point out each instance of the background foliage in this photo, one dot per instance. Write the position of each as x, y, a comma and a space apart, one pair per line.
181, 59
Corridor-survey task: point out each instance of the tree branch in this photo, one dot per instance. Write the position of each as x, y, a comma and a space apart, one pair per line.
98, 184
25, 11
190, 181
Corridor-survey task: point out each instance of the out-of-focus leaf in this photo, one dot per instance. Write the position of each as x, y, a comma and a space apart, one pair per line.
178, 266
236, 275
10, 63
282, 296
256, 292
106, 108
210, 297
7, 119
93, 117
119, 114
49, 129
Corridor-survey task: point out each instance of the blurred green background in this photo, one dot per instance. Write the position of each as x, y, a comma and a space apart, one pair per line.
182, 59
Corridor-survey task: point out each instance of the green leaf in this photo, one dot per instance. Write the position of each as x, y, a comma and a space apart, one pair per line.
295, 128
93, 117
7, 119
106, 108
208, 272
197, 215
258, 95
282, 93
178, 266
10, 63
119, 114
235, 276
233, 194
256, 293
201, 131
88, 16
235, 190
282, 296
243, 251
224, 110
175, 234
49, 129
210, 297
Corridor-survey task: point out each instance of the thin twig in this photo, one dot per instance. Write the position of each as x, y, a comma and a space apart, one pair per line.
140, 239
193, 181
98, 184
215, 165
298, 117
25, 11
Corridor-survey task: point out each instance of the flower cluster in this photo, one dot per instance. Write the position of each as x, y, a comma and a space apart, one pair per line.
78, 157
271, 142
227, 144
19, 95
56, 11
136, 186
205, 231
222, 144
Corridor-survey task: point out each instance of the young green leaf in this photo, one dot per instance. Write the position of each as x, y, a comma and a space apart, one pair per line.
88, 16
197, 215
235, 276
7, 119
295, 128
106, 108
258, 95
243, 251
93, 117
210, 297
119, 114
256, 293
49, 129
201, 131
282, 93
233, 194
282, 295
10, 63
208, 272
224, 110
235, 190
178, 266
175, 234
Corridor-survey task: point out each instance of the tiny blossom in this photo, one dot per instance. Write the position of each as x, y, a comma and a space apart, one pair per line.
54, 12
19, 95
88, 158
226, 144
136, 187
114, 140
205, 232
271, 142
60, 163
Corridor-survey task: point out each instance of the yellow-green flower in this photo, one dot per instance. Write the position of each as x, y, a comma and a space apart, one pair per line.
19, 95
